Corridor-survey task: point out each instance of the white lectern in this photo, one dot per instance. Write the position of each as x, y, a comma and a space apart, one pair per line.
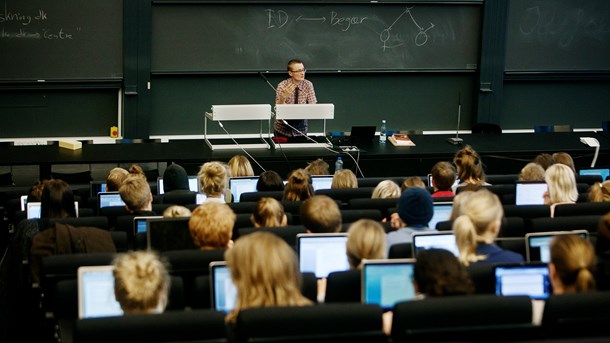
305, 111
260, 112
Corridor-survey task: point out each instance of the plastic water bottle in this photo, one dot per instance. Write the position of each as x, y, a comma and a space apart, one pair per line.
383, 135
338, 164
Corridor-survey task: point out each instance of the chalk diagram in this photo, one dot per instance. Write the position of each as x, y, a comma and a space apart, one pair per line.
420, 39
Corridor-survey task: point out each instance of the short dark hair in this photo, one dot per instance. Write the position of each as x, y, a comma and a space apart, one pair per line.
291, 62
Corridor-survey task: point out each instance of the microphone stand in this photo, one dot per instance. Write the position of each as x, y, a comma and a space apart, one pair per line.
456, 140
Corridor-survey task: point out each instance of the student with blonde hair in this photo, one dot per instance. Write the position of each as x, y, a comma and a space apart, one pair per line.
213, 178
176, 211
239, 165
268, 212
412, 181
599, 192
265, 271
318, 167
365, 240
321, 214
141, 282
532, 172
476, 227
298, 187
344, 178
211, 226
562, 188
135, 193
115, 178
469, 168
386, 189
572, 264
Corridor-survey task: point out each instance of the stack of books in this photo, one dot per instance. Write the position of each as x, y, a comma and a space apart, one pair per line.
401, 139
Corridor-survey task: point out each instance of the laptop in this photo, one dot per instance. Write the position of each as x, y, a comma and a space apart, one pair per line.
361, 135
431, 182
108, 199
200, 198
23, 200
223, 290
603, 172
96, 187
239, 185
537, 244
165, 234
442, 212
321, 181
34, 209
434, 240
387, 282
322, 253
193, 184
96, 292
530, 192
531, 279
139, 223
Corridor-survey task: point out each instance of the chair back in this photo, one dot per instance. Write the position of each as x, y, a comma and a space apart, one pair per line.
344, 286
576, 315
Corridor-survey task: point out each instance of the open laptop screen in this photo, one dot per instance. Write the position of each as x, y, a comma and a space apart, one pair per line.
386, 282
224, 292
96, 292
321, 181
193, 184
139, 223
434, 240
322, 253
530, 192
523, 279
538, 244
442, 212
34, 209
239, 185
108, 199
96, 187
603, 172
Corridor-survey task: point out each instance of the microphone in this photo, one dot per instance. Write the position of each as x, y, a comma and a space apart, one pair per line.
456, 140
265, 78
239, 146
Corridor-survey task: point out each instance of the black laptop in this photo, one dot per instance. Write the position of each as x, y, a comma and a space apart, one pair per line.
360, 135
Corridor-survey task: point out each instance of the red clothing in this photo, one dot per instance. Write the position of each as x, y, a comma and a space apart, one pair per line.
443, 194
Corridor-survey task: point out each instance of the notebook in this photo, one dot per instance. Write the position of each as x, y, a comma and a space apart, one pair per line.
107, 199
96, 292
193, 184
387, 282
239, 185
139, 223
442, 212
33, 209
96, 187
322, 253
321, 181
165, 234
603, 172
530, 192
223, 290
523, 279
537, 244
434, 240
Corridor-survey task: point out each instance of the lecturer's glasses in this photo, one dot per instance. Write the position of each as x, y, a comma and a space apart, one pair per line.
299, 71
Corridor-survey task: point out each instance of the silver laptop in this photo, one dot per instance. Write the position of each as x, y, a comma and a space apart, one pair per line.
387, 282
96, 292
239, 185
538, 244
434, 240
321, 181
523, 279
322, 253
23, 200
108, 199
530, 192
193, 184
223, 290
442, 212
34, 209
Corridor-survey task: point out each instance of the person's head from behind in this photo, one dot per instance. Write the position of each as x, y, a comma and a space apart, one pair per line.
298, 187
321, 214
561, 183
56, 200
176, 211
544, 160
564, 158
265, 271
213, 177
211, 226
268, 212
239, 165
437, 272
344, 178
366, 240
412, 181
141, 282
415, 207
599, 192
478, 220
532, 172
469, 165
35, 192
386, 189
115, 179
572, 264
135, 192
175, 178
269, 181
443, 176
318, 167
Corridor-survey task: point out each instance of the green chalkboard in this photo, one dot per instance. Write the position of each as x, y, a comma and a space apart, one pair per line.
558, 35
201, 37
61, 40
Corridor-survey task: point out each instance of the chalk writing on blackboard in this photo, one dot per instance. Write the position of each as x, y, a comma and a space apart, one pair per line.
420, 39
18, 25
